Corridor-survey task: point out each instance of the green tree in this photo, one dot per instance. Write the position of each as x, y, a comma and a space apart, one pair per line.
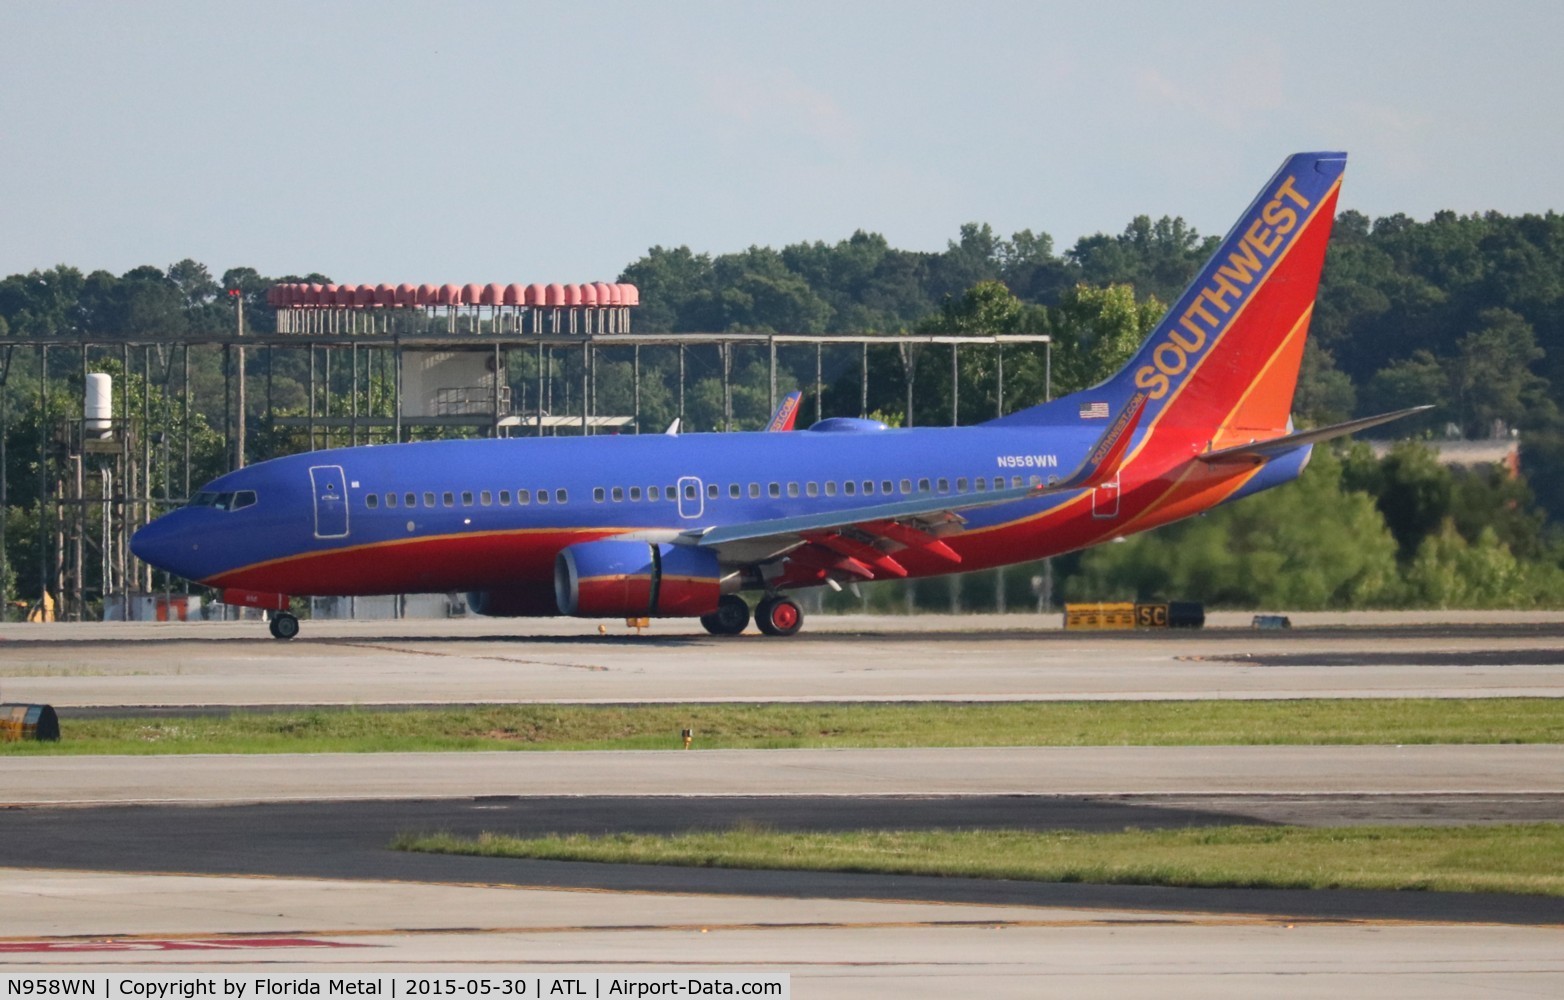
1310, 544
1096, 331
1411, 489
1495, 383
1417, 380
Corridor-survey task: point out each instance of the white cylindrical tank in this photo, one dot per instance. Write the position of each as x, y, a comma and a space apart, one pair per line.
99, 409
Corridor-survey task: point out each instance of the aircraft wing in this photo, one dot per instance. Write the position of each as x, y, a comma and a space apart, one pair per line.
861, 541
1260, 451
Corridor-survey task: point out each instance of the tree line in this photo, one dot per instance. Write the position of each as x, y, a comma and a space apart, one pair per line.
1465, 312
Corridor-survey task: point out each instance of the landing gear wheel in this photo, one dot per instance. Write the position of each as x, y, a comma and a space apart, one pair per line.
730, 618
284, 625
779, 616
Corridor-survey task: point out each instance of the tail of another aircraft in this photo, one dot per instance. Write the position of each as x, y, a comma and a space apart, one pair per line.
1222, 365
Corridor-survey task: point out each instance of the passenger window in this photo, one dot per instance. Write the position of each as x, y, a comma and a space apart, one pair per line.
849, 487
999, 482
598, 494
390, 499
428, 499
486, 498
944, 485
542, 496
504, 498
670, 493
754, 490
735, 491
689, 491
961, 485
618, 494
868, 487
812, 489
923, 486
775, 489
711, 491
467, 498
830, 488
654, 493
523, 497
410, 500
560, 496
792, 489
371, 500
906, 487
448, 499
1035, 481
887, 487
635, 493
981, 484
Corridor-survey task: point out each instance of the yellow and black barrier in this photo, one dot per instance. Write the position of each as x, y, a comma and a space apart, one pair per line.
1126, 615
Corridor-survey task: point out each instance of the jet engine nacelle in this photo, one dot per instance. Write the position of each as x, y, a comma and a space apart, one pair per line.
614, 579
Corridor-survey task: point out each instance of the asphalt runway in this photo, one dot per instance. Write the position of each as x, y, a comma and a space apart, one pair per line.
306, 857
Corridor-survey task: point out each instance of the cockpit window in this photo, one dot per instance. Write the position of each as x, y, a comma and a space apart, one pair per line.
237, 500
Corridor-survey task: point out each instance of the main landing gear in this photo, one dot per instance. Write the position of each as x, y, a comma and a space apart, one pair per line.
778, 615
774, 615
284, 625
730, 618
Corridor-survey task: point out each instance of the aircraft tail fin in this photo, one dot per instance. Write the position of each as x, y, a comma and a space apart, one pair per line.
786, 414
1222, 365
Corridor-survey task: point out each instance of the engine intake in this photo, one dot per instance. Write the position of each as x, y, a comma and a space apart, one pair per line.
613, 579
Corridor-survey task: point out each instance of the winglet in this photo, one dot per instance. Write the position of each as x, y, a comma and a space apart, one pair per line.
787, 412
1102, 464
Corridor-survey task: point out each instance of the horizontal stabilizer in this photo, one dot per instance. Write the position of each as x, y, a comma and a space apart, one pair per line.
1260, 451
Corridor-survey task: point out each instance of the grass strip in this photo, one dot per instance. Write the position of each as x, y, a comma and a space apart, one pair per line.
773, 726
1517, 858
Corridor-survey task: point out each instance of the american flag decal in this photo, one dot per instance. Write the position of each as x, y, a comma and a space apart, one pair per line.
1094, 411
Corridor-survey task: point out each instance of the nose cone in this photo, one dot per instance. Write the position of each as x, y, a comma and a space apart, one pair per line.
166, 544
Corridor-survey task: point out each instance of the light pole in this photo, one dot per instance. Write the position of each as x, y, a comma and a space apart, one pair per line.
238, 296
1046, 598
1048, 369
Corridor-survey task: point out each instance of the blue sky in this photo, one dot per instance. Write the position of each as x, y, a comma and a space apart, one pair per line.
557, 142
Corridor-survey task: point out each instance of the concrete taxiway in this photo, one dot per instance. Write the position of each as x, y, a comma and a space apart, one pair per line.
1209, 771
844, 659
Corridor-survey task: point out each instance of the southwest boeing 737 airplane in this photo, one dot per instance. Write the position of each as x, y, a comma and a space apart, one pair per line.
682, 525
